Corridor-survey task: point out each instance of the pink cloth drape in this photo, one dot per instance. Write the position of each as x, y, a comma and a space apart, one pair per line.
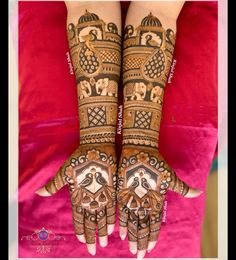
49, 130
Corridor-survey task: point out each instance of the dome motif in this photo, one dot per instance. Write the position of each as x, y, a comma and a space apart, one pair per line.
88, 17
151, 20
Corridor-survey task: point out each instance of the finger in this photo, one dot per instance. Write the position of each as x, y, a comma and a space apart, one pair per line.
91, 249
54, 185
78, 221
143, 232
193, 193
133, 231
133, 247
90, 231
102, 227
103, 241
141, 254
110, 229
123, 221
151, 245
180, 187
111, 217
123, 232
155, 224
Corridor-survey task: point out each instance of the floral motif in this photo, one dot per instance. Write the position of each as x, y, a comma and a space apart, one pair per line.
69, 171
143, 157
166, 176
165, 181
93, 155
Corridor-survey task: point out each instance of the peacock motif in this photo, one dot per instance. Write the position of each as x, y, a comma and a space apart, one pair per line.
90, 182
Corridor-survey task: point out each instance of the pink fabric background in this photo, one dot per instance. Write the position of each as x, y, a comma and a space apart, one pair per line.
49, 128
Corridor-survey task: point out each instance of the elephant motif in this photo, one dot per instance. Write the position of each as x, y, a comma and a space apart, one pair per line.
157, 95
84, 89
136, 91
106, 87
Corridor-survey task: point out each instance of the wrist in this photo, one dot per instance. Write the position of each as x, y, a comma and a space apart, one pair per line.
98, 135
98, 116
141, 123
108, 147
140, 139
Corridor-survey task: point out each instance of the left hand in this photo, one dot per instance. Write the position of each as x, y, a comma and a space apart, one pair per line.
144, 178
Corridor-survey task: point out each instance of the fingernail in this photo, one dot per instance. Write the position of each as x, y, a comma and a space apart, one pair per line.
139, 257
43, 192
92, 252
141, 254
193, 193
151, 245
133, 251
103, 241
91, 249
122, 237
199, 192
110, 229
81, 238
103, 245
133, 247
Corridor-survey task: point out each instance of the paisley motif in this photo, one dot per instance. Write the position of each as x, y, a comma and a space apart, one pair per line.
89, 60
154, 66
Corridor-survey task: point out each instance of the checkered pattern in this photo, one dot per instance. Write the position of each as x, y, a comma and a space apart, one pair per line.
132, 63
155, 66
108, 56
97, 116
142, 119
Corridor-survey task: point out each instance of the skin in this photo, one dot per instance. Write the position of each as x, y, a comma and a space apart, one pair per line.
70, 176
144, 175
93, 32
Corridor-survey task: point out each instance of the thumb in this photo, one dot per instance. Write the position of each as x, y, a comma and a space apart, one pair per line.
180, 187
54, 185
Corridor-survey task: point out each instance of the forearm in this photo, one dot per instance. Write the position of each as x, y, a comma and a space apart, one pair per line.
95, 46
147, 55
